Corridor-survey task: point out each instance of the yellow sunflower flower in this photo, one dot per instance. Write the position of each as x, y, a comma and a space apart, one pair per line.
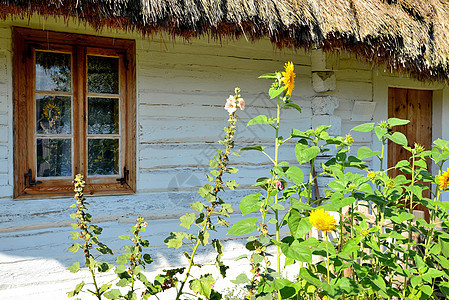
289, 77
321, 220
49, 108
443, 181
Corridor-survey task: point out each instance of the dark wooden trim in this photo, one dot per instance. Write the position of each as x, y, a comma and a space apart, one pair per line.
25, 41
64, 38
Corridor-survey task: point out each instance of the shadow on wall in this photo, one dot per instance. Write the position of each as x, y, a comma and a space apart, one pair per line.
35, 261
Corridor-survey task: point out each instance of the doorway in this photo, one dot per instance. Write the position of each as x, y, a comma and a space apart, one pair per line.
416, 106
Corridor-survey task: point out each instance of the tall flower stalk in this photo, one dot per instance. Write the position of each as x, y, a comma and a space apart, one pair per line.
216, 206
89, 234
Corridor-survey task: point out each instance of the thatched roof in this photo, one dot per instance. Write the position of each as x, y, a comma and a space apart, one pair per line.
405, 35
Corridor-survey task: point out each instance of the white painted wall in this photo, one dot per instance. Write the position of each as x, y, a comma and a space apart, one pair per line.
181, 91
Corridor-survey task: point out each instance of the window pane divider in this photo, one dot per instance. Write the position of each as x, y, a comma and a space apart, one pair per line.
53, 93
53, 136
103, 136
98, 95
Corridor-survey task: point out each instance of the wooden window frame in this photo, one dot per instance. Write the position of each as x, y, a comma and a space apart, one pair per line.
25, 41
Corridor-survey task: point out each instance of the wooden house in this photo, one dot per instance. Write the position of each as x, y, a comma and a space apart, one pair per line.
131, 94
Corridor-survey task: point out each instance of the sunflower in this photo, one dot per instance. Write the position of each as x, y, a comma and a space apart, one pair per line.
443, 181
289, 77
49, 109
321, 220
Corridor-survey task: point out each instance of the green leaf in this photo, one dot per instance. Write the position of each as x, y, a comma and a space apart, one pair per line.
203, 236
295, 174
198, 206
402, 217
241, 278
125, 237
269, 76
426, 289
175, 239
78, 289
74, 235
120, 269
364, 127
203, 286
244, 226
350, 247
295, 203
274, 92
113, 294
365, 152
257, 148
296, 250
379, 282
261, 119
123, 258
432, 273
293, 105
415, 280
104, 288
398, 138
337, 202
231, 184
305, 154
402, 163
395, 122
213, 164
187, 220
277, 206
309, 277
123, 282
298, 225
75, 267
444, 288
74, 248
380, 132
250, 203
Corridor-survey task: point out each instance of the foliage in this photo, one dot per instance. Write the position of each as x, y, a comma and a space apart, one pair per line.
130, 263
389, 253
395, 255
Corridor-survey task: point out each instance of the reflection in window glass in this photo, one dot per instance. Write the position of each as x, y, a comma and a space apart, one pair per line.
53, 72
102, 74
103, 116
53, 114
103, 156
54, 157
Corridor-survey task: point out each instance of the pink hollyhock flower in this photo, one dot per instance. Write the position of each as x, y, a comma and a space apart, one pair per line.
241, 103
279, 185
231, 105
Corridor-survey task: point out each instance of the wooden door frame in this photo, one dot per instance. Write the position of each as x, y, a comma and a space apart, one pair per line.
440, 106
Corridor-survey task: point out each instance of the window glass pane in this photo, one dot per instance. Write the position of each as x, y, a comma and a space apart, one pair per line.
54, 157
102, 74
53, 114
103, 116
53, 72
103, 156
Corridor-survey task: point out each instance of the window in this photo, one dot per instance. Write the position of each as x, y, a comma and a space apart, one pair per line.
74, 112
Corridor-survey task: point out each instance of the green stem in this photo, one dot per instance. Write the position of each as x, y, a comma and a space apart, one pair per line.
327, 260
312, 165
276, 197
198, 242
97, 290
